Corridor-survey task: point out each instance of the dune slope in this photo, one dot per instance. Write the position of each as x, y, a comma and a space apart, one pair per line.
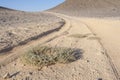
18, 27
89, 8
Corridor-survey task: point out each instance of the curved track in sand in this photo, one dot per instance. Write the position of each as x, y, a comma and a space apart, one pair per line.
100, 21
108, 31
60, 38
103, 18
9, 56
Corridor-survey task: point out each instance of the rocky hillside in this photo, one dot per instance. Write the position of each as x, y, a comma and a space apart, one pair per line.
18, 27
89, 8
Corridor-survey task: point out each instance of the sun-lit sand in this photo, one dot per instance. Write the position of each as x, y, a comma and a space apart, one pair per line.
92, 26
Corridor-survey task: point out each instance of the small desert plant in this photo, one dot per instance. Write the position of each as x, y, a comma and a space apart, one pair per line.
44, 56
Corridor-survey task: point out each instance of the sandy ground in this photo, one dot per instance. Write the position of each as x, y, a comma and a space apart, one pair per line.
98, 21
17, 27
108, 31
93, 65
103, 18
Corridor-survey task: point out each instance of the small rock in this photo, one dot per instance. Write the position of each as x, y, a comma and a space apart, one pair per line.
41, 73
24, 64
6, 76
79, 73
114, 9
99, 79
15, 64
88, 61
103, 52
53, 71
30, 73
4, 20
73, 75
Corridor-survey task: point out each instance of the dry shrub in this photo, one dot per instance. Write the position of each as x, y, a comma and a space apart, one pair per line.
44, 56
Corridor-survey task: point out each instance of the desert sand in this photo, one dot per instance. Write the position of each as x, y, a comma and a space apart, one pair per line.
89, 8
96, 24
17, 28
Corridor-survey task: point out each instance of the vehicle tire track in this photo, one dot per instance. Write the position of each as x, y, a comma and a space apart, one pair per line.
14, 53
106, 54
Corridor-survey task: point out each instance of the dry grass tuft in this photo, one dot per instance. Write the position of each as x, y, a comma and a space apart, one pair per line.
44, 56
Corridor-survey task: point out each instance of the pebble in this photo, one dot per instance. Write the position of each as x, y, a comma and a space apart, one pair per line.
88, 61
30, 73
99, 79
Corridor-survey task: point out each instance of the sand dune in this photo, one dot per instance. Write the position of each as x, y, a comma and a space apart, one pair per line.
89, 8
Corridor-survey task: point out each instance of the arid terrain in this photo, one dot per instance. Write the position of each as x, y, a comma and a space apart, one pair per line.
92, 26
18, 27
